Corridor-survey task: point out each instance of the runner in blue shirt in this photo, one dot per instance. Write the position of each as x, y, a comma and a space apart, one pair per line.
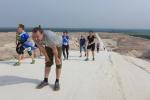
65, 45
23, 43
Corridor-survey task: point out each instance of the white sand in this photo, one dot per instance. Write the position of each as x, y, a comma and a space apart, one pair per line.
110, 77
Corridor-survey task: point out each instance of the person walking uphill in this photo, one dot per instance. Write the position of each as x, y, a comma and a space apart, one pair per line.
65, 45
90, 45
23, 43
52, 49
82, 45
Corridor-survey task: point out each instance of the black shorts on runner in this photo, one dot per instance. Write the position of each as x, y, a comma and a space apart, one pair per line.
20, 50
91, 47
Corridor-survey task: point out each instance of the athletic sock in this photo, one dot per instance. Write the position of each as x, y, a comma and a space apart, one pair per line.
57, 80
45, 79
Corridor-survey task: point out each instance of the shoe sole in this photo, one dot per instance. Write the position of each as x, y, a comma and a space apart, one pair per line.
42, 86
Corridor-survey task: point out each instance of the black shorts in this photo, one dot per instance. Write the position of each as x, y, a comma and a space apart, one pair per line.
91, 47
20, 50
51, 56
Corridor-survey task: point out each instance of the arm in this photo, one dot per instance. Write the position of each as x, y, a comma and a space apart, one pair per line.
16, 41
87, 41
42, 49
16, 38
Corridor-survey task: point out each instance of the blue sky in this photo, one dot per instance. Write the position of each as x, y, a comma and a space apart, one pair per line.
76, 13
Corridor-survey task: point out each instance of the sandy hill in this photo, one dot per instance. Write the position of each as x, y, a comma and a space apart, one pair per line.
111, 77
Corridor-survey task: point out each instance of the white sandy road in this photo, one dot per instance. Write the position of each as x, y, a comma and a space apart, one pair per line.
110, 77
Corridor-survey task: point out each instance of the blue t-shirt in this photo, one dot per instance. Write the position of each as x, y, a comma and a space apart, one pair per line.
23, 37
65, 40
30, 45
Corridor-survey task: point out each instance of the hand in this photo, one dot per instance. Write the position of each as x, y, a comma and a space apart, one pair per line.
47, 59
58, 61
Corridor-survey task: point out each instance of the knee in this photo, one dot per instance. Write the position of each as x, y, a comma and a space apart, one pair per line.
59, 66
48, 64
30, 53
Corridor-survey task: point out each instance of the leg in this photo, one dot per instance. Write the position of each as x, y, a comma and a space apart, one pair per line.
93, 49
87, 55
20, 51
20, 58
34, 53
45, 81
63, 48
31, 54
97, 50
48, 64
67, 51
88, 50
84, 50
81, 50
47, 72
58, 67
47, 68
93, 54
58, 71
57, 85
33, 57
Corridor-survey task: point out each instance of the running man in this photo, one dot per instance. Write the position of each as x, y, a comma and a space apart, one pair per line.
82, 45
51, 51
23, 43
65, 45
90, 45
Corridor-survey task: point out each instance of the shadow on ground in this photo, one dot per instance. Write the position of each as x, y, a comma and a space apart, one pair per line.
7, 62
12, 80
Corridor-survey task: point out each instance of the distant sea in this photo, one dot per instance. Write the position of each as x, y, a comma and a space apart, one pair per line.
145, 33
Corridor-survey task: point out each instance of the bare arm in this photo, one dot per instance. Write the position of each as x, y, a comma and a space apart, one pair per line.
16, 39
42, 49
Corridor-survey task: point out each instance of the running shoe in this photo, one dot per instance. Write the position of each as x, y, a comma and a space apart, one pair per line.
87, 59
93, 59
17, 64
56, 86
42, 84
33, 62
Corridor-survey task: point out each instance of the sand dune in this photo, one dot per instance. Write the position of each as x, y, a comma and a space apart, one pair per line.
110, 77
